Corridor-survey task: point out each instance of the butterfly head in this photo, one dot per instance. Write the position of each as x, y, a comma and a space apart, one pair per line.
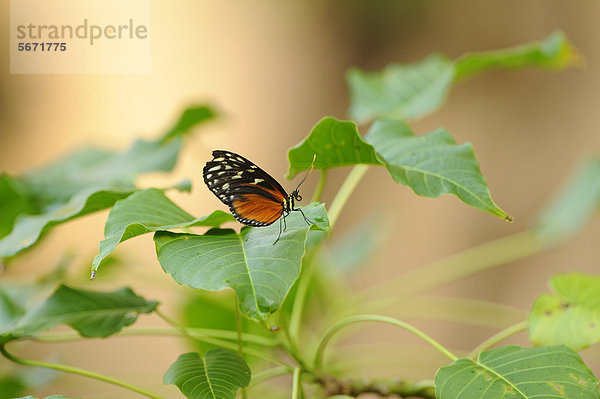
296, 195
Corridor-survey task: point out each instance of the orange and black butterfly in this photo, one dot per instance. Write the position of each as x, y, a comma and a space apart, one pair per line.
252, 195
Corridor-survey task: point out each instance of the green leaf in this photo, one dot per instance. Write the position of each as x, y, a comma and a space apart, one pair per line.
412, 91
554, 51
14, 200
191, 117
335, 142
86, 181
570, 316
29, 228
407, 91
260, 272
574, 206
217, 375
92, 314
148, 211
10, 308
519, 373
432, 164
11, 386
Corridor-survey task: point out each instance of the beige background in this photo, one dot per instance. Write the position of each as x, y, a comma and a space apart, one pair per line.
274, 69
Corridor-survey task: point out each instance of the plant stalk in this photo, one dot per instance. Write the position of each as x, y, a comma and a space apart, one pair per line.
296, 384
238, 324
343, 194
77, 371
374, 318
320, 186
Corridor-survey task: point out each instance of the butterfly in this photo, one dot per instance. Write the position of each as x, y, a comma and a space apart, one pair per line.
252, 195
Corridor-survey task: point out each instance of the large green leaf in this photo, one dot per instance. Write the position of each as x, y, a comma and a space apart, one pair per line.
554, 51
574, 206
86, 181
519, 373
148, 211
217, 375
408, 91
14, 200
432, 164
570, 316
335, 143
412, 91
28, 228
92, 314
260, 271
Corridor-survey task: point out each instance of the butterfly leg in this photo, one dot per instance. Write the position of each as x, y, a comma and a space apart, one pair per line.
279, 236
307, 220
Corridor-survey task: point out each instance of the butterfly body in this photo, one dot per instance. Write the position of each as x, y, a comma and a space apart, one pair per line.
252, 195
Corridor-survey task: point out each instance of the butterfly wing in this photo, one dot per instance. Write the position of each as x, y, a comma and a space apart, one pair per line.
252, 195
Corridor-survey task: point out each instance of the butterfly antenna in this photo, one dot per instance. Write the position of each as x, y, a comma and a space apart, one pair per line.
312, 166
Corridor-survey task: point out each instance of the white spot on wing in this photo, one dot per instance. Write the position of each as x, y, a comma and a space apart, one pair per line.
215, 168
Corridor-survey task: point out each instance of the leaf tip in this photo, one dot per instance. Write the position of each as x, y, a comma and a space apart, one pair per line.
93, 275
509, 218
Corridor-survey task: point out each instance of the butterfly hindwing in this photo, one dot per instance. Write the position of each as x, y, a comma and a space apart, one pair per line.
251, 194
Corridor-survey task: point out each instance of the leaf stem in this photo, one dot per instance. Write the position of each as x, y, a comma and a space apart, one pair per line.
64, 336
498, 337
343, 194
238, 325
296, 383
77, 371
320, 186
374, 318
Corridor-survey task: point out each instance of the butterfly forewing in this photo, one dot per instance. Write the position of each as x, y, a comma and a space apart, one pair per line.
251, 194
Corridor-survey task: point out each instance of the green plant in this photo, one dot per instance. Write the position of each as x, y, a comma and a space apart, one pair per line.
256, 331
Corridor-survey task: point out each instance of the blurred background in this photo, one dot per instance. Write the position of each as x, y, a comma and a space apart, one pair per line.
273, 69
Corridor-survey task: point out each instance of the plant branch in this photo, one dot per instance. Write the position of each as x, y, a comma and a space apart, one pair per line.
498, 337
320, 186
374, 318
354, 387
77, 371
343, 194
